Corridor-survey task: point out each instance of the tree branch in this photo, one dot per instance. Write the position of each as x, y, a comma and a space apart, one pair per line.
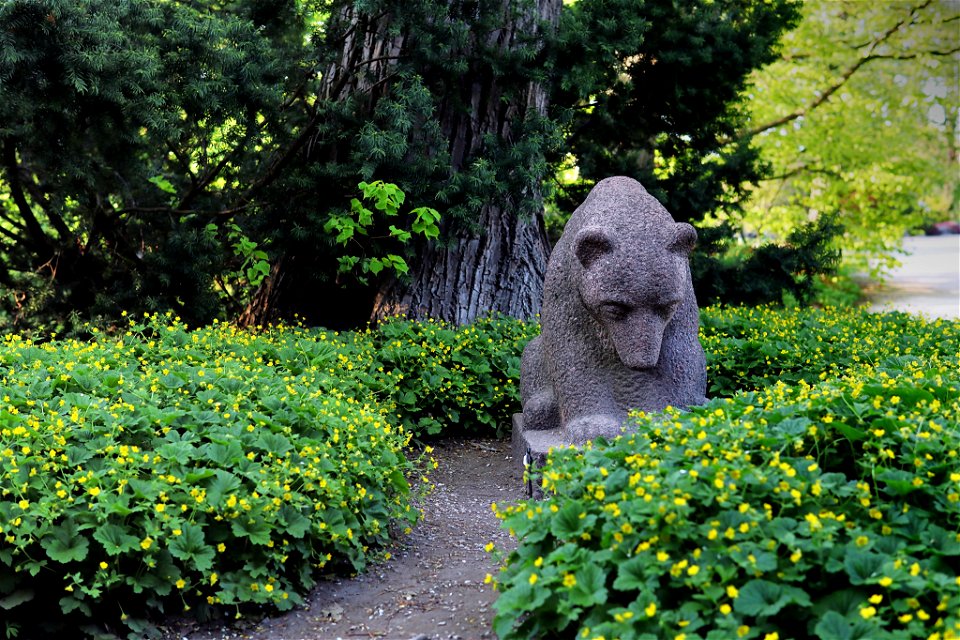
866, 57
10, 234
31, 223
803, 168
55, 218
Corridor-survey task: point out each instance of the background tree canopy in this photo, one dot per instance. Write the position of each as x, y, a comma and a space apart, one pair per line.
859, 118
206, 156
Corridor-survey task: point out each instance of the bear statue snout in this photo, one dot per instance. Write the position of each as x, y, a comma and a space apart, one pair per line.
638, 341
641, 356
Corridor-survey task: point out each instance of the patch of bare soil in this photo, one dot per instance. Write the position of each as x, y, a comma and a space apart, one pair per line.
432, 587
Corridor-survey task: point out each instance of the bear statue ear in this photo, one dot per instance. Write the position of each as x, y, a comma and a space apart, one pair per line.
684, 238
591, 244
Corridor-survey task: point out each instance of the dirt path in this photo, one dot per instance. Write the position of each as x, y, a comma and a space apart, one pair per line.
432, 588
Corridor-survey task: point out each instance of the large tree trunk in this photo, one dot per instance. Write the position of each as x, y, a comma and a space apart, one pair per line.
499, 265
500, 269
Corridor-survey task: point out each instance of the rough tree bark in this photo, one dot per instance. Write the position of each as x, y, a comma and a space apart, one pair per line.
497, 265
500, 266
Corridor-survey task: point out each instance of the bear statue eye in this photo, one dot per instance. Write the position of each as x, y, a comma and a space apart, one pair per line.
666, 309
614, 310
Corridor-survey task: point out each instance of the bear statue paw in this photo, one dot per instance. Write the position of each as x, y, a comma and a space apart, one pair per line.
584, 428
541, 412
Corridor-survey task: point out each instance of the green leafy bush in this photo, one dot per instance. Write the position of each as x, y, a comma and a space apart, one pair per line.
447, 380
798, 509
208, 469
749, 348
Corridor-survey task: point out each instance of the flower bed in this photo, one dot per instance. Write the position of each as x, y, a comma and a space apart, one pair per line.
202, 469
826, 509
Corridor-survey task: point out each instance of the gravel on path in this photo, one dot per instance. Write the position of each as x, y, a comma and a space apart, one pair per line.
432, 588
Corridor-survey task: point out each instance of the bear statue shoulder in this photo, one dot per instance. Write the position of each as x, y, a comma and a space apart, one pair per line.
619, 318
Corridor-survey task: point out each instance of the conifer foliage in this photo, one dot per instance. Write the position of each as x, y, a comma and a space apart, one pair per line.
191, 155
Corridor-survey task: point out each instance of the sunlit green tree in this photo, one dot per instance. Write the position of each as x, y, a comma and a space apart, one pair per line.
859, 118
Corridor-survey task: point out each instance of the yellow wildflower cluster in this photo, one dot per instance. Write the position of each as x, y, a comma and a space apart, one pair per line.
734, 518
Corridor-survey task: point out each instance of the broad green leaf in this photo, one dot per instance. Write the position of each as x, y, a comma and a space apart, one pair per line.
63, 543
253, 528
862, 566
163, 184
567, 523
765, 598
191, 547
630, 574
222, 485
115, 539
16, 598
833, 626
274, 443
297, 524
590, 588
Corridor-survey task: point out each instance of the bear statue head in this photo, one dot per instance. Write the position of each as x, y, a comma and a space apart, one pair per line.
633, 287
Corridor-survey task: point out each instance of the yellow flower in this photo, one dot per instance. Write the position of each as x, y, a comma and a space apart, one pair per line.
725, 609
886, 581
875, 598
181, 584
24, 504
732, 591
538, 562
94, 491
532, 579
650, 610
569, 580
742, 630
146, 542
103, 565
772, 636
867, 612
488, 547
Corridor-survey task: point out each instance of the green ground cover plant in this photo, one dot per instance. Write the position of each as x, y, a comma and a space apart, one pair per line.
455, 380
749, 348
821, 500
166, 469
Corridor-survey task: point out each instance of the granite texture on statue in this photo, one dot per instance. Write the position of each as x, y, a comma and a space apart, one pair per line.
619, 323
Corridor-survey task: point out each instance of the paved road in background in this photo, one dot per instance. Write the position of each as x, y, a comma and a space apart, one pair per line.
927, 282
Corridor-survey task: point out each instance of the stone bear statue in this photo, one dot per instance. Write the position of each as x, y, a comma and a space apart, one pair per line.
619, 318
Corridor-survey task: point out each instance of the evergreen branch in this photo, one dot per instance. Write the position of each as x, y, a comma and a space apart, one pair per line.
274, 169
55, 218
10, 234
184, 161
209, 177
868, 56
12, 222
183, 212
33, 227
179, 212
